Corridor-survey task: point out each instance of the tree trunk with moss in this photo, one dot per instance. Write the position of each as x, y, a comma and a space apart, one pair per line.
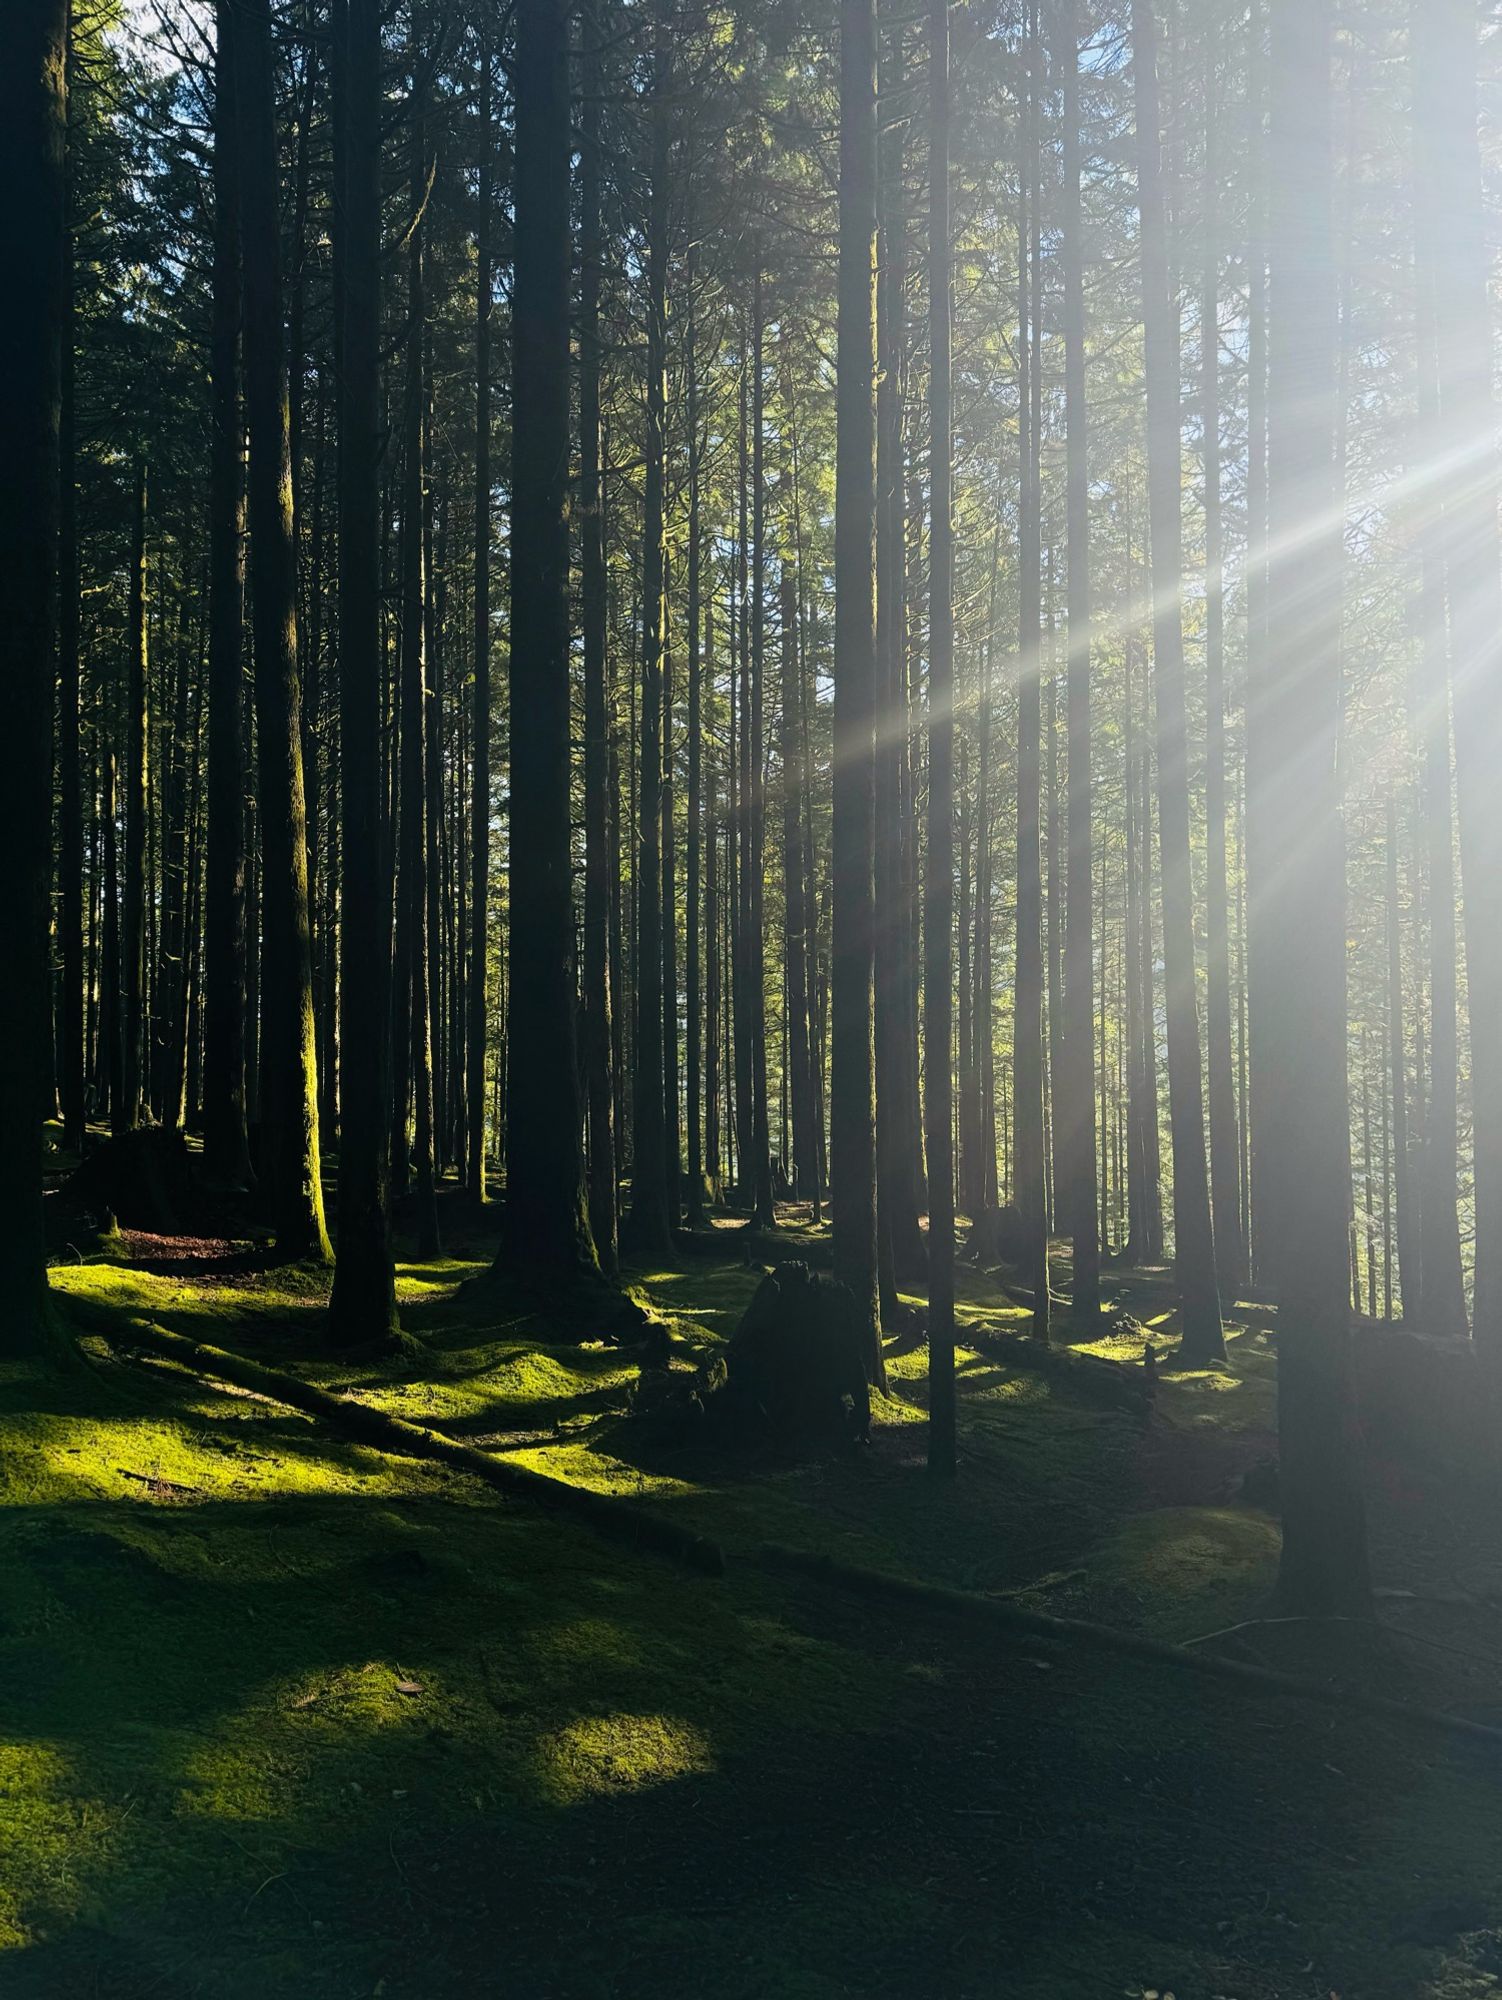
1194, 1236
226, 1149
1076, 1110
290, 1164
852, 1138
363, 1306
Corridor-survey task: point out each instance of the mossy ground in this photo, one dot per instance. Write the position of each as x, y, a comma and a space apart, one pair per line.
281, 1715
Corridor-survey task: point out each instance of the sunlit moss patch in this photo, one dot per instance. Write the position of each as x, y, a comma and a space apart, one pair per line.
601, 1753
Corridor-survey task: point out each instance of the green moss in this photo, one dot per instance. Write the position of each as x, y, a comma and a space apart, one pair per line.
282, 1716
603, 1753
1176, 1573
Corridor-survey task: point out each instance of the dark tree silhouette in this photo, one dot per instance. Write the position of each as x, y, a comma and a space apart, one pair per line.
594, 609
289, 1163
648, 1225
852, 1134
547, 1223
1194, 1237
1031, 1161
1076, 1111
477, 996
1300, 931
33, 128
938, 901
363, 1304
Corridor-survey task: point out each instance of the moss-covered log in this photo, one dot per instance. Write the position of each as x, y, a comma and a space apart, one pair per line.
618, 1519
1017, 1621
1090, 1376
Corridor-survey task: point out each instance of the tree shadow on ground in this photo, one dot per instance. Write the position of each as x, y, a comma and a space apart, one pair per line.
617, 1780
614, 1779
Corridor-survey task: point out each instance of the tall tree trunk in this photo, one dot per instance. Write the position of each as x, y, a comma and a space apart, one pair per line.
982, 1005
1301, 929
289, 1092
179, 1100
756, 975
131, 1106
226, 1150
414, 883
1031, 1169
33, 136
1405, 1193
1136, 1067
648, 1222
437, 900
1076, 1109
1053, 903
741, 1053
112, 1033
171, 976
1454, 234
1259, 1058
1225, 1137
1194, 1237
805, 1152
967, 1090
671, 1121
1442, 1285
852, 1112
938, 901
193, 996
477, 1013
363, 1306
712, 1152
693, 977
595, 608
547, 1221
70, 855
901, 1241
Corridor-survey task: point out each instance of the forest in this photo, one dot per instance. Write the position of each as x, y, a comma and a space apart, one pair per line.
750, 1161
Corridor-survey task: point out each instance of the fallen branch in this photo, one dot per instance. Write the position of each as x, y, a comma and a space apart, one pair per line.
1018, 1621
621, 1520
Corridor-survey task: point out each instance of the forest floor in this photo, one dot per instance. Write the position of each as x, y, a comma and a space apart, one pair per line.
282, 1715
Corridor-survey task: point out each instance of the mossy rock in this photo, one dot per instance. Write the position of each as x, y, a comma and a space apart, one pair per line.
997, 1236
796, 1363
